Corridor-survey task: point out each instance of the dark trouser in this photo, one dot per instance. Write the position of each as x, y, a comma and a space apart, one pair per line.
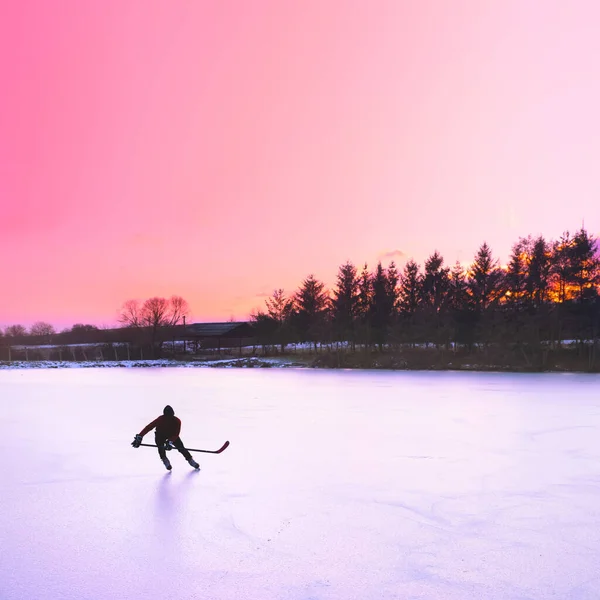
160, 442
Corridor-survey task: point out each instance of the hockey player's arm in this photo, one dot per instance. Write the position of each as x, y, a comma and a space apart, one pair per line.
149, 427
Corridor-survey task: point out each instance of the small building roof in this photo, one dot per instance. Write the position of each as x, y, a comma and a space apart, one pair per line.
216, 330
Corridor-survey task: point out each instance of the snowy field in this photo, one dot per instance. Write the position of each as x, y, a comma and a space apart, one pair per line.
337, 485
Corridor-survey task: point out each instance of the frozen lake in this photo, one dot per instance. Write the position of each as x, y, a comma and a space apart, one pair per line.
337, 485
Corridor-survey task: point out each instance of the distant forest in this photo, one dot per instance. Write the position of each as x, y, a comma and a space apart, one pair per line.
518, 314
548, 292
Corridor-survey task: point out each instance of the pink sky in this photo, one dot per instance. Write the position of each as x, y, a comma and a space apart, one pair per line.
218, 150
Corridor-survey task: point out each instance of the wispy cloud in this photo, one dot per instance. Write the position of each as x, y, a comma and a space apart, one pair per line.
393, 254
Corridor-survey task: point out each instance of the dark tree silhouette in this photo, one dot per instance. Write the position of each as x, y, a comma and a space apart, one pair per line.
392, 280
435, 297
538, 270
410, 296
279, 310
411, 289
15, 331
345, 303
365, 295
311, 308
458, 291
485, 278
562, 268
153, 315
436, 282
515, 277
81, 327
41, 328
382, 303
585, 265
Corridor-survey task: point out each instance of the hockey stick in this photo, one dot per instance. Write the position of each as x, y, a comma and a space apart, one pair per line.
195, 449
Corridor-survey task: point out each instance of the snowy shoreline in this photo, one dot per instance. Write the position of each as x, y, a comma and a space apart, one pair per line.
163, 363
254, 362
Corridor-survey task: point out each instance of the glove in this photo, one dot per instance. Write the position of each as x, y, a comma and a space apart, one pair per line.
169, 445
137, 440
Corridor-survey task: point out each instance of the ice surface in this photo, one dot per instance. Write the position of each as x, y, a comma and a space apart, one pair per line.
337, 485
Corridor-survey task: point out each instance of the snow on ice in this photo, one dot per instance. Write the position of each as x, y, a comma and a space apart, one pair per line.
337, 485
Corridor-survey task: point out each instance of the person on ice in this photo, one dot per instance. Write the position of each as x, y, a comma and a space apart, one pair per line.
166, 436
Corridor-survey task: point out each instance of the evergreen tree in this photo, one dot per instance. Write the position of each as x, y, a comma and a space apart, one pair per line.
311, 303
279, 309
365, 294
436, 282
409, 297
392, 279
383, 302
561, 268
411, 288
265, 328
345, 302
516, 274
537, 281
485, 278
458, 295
585, 265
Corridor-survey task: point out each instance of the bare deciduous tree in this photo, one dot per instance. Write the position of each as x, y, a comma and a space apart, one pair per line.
41, 328
154, 313
15, 331
130, 314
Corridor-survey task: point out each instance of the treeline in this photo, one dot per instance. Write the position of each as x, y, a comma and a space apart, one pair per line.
146, 325
548, 292
41, 329
152, 314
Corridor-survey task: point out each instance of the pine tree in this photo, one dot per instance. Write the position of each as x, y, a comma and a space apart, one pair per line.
279, 309
562, 268
365, 293
312, 303
537, 280
485, 278
436, 282
516, 274
382, 304
392, 278
585, 265
411, 289
458, 294
345, 302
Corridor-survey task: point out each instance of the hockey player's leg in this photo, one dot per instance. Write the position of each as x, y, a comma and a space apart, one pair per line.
160, 442
179, 445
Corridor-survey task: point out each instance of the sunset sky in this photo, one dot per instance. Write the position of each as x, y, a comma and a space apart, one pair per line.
220, 149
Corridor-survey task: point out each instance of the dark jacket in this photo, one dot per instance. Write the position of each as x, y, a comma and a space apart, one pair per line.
167, 427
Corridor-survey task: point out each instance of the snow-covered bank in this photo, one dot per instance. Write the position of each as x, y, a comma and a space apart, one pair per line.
251, 362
